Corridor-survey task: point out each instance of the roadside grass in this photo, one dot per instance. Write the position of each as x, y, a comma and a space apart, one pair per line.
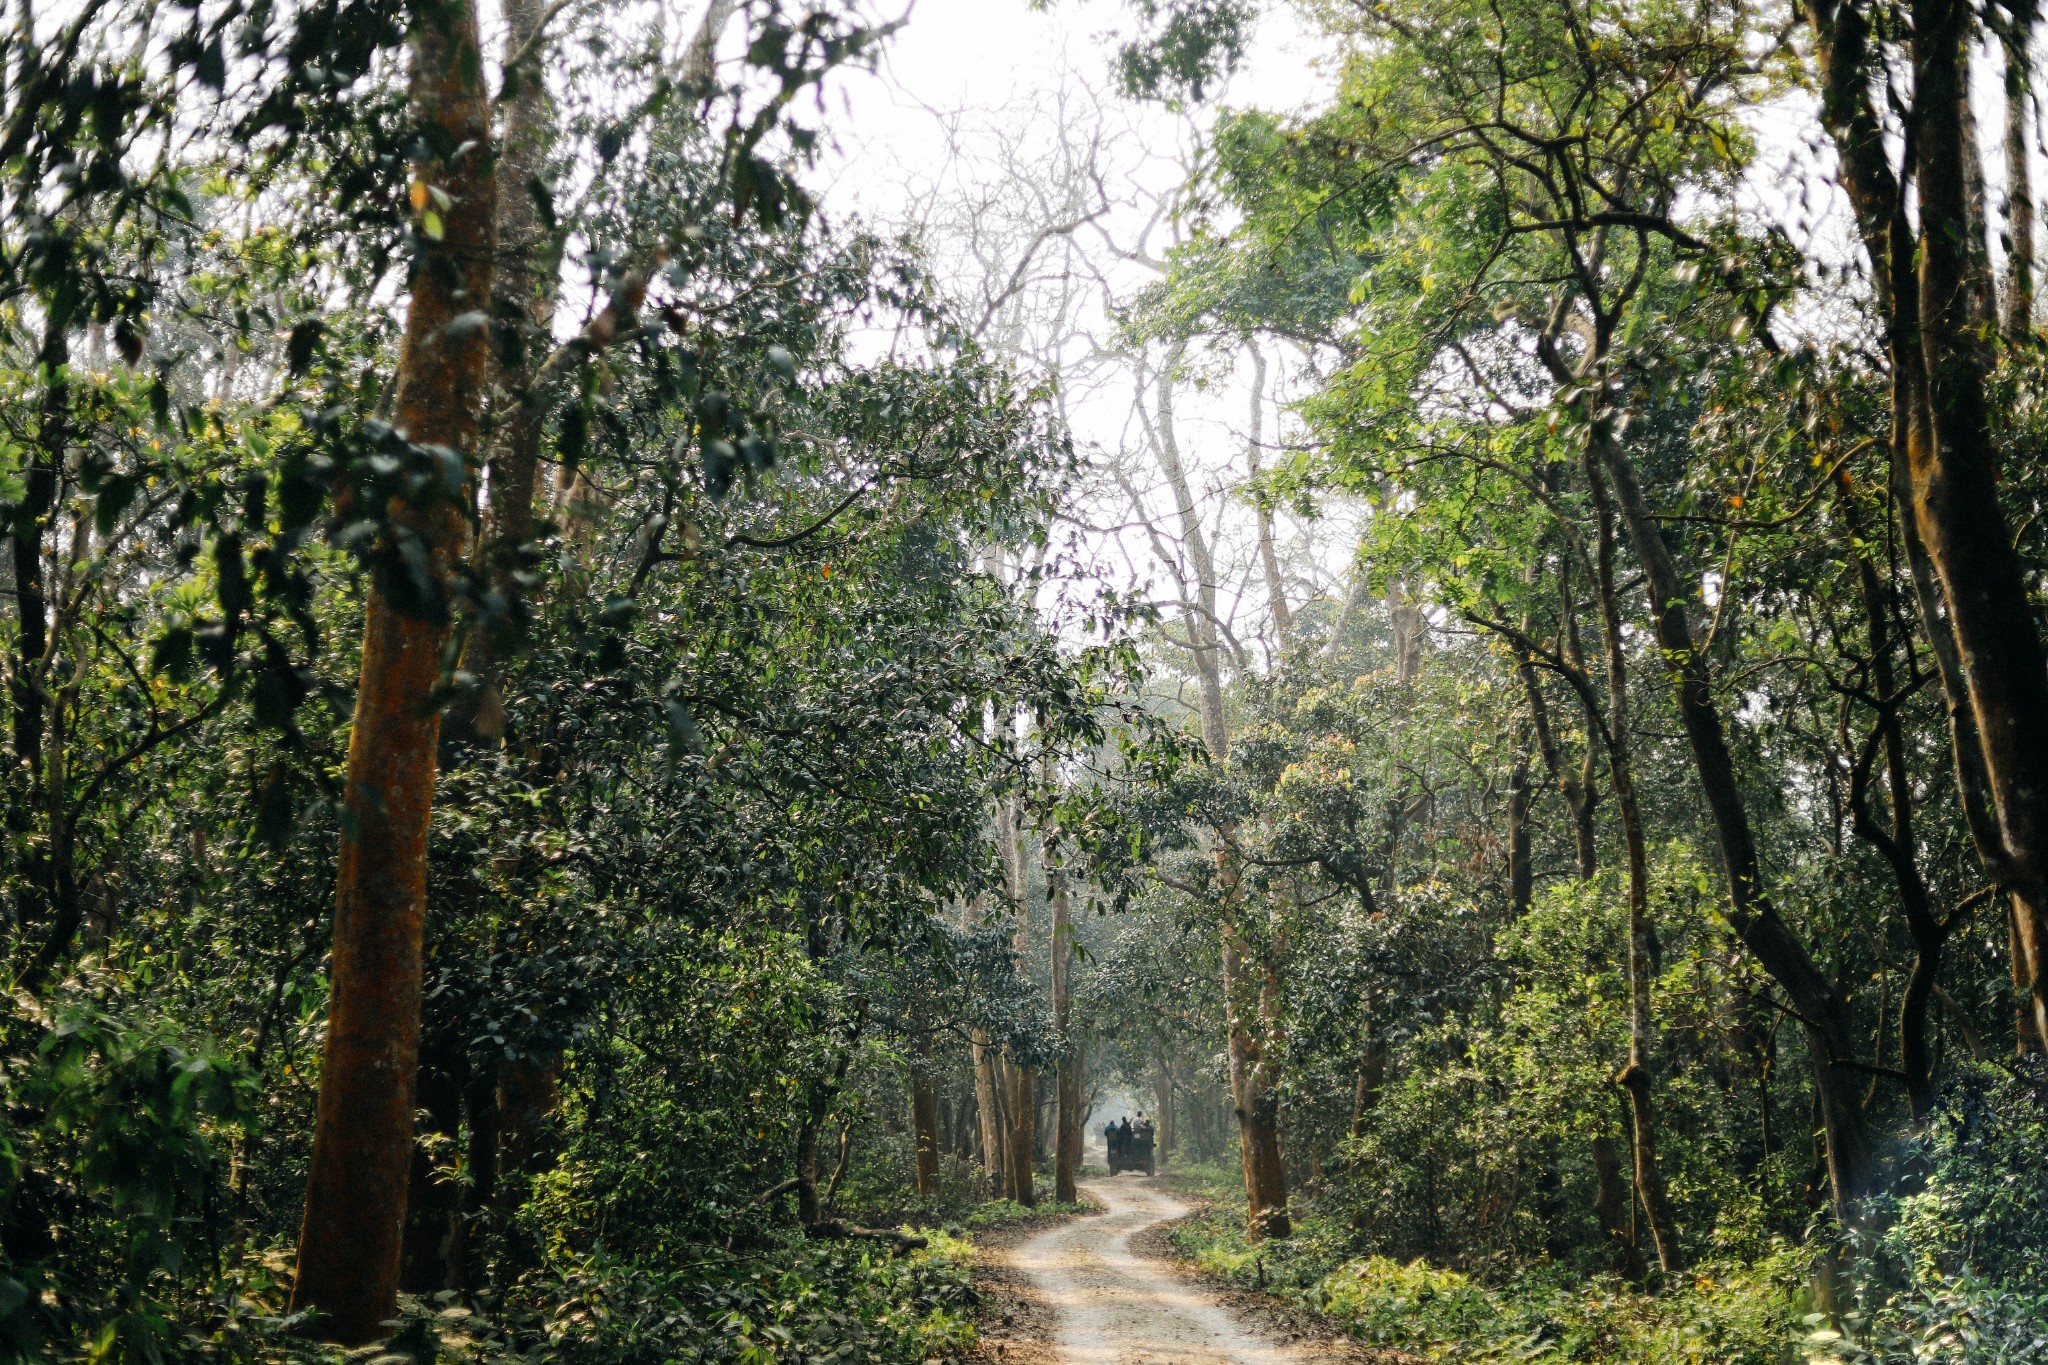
1000, 1212
1212, 1182
1724, 1313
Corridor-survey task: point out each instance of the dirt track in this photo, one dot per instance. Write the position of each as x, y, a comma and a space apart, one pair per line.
1114, 1306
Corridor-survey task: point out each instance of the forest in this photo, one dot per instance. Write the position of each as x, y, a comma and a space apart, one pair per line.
644, 673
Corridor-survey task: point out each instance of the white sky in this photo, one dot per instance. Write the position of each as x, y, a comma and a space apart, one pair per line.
964, 106
994, 53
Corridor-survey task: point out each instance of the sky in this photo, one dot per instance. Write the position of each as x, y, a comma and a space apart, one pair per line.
953, 130
990, 53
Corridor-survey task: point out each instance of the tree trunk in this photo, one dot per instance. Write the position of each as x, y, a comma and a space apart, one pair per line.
988, 1090
39, 896
30, 527
809, 1211
1073, 1115
1977, 279
1580, 794
1253, 1101
1634, 1077
1610, 1201
1372, 1074
1897, 845
525, 298
960, 1126
1269, 558
350, 1237
1998, 703
1168, 1115
1955, 499
810, 1207
434, 1203
528, 1090
1829, 1029
1023, 1133
1521, 873
983, 1064
924, 1127
486, 1203
2019, 177
2025, 1039
1066, 1164
1411, 633
697, 64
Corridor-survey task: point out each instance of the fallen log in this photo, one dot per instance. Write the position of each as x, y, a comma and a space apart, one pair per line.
833, 1229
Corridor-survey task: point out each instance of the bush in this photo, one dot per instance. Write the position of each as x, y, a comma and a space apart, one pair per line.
812, 1302
114, 1132
1725, 1313
1960, 1271
805, 1304
1957, 1271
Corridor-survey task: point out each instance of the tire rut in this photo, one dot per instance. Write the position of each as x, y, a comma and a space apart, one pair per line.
1113, 1305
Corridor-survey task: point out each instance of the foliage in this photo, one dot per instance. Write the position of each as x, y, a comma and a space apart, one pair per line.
1957, 1273
771, 719
1743, 1313
703, 825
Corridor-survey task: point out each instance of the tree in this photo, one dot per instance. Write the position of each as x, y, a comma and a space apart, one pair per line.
1924, 275
351, 1236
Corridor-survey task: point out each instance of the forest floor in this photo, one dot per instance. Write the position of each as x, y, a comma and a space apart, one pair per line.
1104, 1290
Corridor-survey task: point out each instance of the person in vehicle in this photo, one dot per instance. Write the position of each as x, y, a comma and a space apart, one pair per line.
1138, 1147
1117, 1136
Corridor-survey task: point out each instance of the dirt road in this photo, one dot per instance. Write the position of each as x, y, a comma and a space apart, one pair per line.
1113, 1306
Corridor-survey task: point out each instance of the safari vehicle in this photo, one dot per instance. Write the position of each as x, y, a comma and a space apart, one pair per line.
1133, 1153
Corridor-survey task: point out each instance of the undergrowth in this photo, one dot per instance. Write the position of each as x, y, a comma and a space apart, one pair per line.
804, 1304
1953, 1269
1723, 1314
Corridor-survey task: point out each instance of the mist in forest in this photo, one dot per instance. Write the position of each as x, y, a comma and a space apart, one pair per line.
653, 656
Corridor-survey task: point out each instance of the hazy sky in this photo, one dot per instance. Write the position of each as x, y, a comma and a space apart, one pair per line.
989, 53
989, 72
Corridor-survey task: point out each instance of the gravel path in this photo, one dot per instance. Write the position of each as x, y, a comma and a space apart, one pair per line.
1113, 1306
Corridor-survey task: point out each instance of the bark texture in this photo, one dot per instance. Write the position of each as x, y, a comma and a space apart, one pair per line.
1955, 498
350, 1237
1521, 870
990, 1106
1023, 1133
1020, 1134
1254, 1101
524, 291
1253, 1098
2018, 37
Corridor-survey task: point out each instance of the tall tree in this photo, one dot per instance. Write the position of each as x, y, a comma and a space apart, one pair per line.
1250, 979
1069, 1102
1996, 675
351, 1235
